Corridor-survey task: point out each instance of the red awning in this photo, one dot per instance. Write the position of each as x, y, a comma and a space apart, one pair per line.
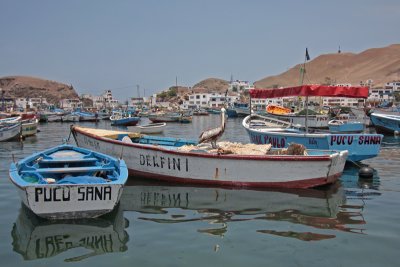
312, 90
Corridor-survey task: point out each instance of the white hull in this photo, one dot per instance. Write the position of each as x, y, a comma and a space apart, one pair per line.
239, 170
148, 129
10, 133
54, 201
29, 128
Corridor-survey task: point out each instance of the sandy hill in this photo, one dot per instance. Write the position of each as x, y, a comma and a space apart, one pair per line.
211, 85
379, 64
30, 87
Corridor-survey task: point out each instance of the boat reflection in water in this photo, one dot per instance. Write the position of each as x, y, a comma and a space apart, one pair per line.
37, 238
316, 208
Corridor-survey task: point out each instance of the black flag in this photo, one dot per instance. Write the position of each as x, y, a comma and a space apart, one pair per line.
307, 55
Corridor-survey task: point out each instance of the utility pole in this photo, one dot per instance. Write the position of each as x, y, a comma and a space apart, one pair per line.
138, 91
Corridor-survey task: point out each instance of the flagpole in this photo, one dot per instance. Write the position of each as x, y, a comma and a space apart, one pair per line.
306, 57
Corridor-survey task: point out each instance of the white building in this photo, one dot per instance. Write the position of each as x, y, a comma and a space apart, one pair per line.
70, 104
208, 100
395, 86
380, 95
37, 102
238, 85
21, 103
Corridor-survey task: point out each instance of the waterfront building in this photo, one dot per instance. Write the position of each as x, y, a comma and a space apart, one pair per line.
208, 100
238, 86
70, 104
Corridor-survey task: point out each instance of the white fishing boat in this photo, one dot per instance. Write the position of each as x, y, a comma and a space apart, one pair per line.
180, 160
150, 128
29, 127
10, 131
67, 182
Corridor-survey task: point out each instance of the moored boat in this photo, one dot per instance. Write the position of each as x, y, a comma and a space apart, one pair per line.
165, 117
122, 119
340, 126
386, 123
150, 128
275, 109
10, 131
67, 182
166, 158
359, 145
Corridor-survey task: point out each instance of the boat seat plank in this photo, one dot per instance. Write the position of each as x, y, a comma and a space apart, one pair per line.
71, 170
69, 160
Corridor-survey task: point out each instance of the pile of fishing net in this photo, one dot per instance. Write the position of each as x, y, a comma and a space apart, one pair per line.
245, 149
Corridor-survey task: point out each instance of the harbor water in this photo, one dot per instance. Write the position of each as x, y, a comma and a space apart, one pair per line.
351, 223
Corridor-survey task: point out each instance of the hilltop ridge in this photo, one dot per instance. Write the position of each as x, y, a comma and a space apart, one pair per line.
378, 64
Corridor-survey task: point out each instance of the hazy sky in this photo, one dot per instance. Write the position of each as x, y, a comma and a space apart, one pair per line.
96, 45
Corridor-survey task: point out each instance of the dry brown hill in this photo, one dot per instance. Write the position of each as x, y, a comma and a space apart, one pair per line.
31, 87
379, 64
212, 85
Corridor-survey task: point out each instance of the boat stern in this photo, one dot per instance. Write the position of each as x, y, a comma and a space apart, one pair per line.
338, 161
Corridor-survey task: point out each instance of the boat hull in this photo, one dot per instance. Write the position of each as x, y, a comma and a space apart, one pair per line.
386, 123
359, 146
29, 128
148, 129
70, 201
155, 162
313, 121
11, 132
132, 121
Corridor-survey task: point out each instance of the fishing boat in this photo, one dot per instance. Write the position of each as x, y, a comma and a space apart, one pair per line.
360, 146
29, 127
165, 117
72, 117
123, 119
386, 123
200, 112
275, 109
150, 128
67, 182
340, 126
36, 238
87, 116
181, 160
10, 120
10, 131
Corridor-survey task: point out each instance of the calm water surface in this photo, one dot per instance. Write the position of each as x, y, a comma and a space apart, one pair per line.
352, 223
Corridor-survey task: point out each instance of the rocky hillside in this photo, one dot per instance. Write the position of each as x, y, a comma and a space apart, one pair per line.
30, 87
212, 85
378, 64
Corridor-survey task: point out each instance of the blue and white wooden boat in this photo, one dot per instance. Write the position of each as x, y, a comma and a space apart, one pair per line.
124, 119
10, 131
150, 128
360, 146
386, 123
179, 160
67, 182
340, 126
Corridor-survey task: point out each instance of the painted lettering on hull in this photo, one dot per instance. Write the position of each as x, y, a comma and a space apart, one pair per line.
277, 142
164, 162
349, 139
63, 194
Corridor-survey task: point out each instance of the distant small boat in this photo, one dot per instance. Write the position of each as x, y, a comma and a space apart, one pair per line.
29, 127
340, 126
72, 117
119, 119
200, 112
67, 182
165, 117
386, 123
150, 128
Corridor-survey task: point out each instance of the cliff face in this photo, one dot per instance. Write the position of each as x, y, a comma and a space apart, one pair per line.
31, 87
378, 64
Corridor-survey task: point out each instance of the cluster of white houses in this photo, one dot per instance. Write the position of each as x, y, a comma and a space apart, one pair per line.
195, 99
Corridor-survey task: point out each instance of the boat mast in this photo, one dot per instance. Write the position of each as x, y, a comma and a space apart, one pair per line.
302, 72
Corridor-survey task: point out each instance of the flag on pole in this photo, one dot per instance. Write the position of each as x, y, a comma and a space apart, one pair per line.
307, 55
